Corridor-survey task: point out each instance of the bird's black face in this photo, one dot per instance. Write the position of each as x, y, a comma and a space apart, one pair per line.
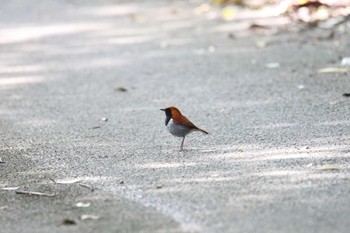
168, 115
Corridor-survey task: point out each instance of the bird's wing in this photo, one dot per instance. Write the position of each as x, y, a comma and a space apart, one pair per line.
187, 122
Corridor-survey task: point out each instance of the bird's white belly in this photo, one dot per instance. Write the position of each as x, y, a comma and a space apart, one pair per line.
177, 129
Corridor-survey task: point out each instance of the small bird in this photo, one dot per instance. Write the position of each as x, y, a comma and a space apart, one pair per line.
178, 125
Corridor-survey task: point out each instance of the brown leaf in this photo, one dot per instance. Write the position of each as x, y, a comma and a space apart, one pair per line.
255, 26
68, 221
121, 89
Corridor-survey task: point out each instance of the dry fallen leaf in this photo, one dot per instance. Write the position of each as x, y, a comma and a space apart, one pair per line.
203, 8
255, 27
333, 70
228, 13
137, 18
68, 222
66, 181
163, 44
83, 204
121, 89
211, 48
261, 44
345, 61
272, 65
328, 167
87, 186
89, 217
9, 188
36, 193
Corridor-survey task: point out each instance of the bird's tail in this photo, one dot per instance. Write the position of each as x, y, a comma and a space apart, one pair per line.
203, 131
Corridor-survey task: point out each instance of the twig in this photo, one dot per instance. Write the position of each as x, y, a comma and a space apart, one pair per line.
87, 186
36, 193
53, 180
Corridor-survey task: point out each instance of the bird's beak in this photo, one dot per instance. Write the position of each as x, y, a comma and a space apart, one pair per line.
162, 109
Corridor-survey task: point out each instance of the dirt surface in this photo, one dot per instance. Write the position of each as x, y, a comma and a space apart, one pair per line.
81, 85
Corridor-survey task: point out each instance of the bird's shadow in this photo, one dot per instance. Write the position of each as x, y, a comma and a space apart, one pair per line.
189, 150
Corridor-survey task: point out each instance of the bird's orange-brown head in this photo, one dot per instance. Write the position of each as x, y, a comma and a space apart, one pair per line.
171, 113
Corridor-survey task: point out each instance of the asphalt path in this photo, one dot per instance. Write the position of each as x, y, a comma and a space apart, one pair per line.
81, 85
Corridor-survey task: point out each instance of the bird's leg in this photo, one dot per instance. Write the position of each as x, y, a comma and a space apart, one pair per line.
182, 143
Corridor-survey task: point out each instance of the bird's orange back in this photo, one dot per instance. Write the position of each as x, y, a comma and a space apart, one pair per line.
181, 119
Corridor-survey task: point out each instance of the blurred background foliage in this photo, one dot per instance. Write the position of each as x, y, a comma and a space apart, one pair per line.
303, 10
